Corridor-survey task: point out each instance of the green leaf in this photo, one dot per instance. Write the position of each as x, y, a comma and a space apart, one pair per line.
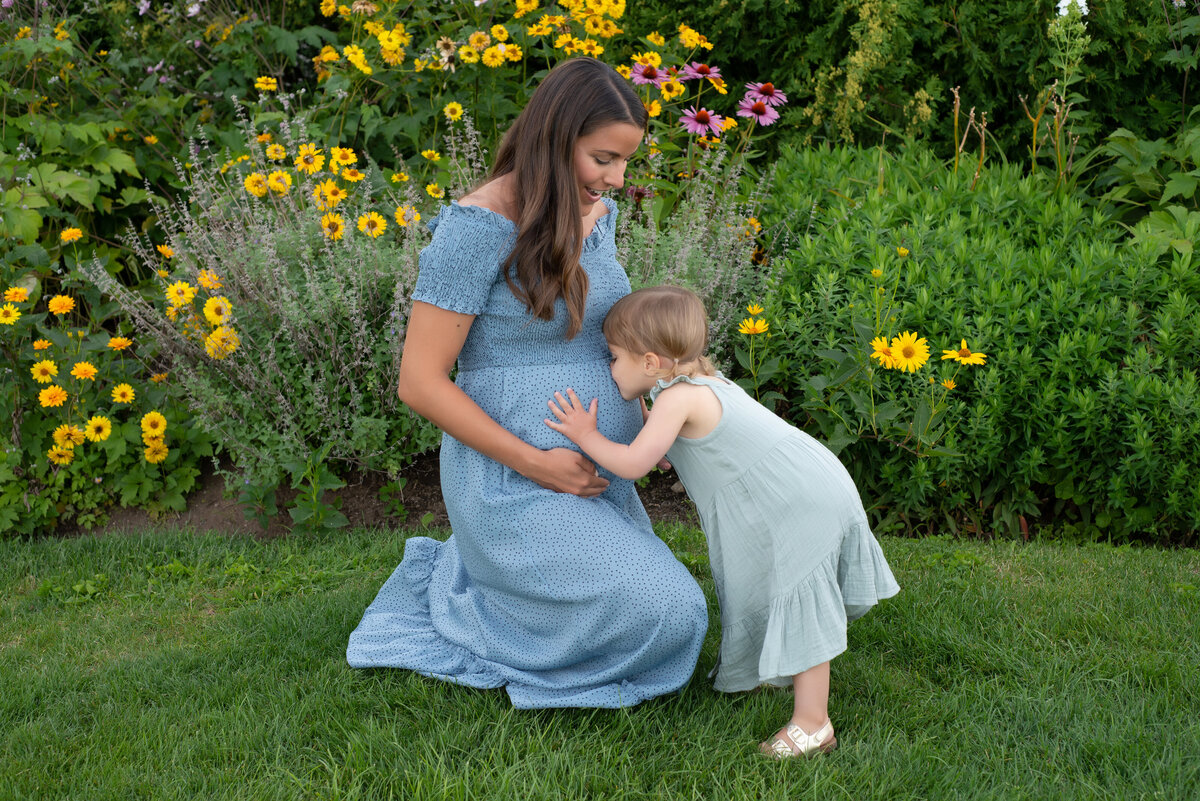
1183, 185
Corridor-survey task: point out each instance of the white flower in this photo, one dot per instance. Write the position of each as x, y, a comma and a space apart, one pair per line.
143, 7
1065, 5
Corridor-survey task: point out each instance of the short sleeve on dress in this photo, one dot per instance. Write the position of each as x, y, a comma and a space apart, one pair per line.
462, 261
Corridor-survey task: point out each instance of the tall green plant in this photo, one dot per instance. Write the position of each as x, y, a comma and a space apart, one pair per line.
1084, 418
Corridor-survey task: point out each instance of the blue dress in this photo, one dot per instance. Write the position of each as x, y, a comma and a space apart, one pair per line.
562, 600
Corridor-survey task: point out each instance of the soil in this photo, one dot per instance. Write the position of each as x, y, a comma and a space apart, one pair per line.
210, 508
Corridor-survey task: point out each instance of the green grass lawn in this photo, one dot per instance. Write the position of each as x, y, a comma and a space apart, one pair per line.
175, 665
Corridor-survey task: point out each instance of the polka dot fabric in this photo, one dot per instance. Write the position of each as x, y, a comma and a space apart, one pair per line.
564, 601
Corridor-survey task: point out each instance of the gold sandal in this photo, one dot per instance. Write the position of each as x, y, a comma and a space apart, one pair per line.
798, 742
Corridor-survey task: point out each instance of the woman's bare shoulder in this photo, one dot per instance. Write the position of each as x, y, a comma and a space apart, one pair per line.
496, 196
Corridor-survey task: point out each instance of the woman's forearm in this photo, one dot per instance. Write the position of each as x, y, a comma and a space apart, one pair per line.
444, 404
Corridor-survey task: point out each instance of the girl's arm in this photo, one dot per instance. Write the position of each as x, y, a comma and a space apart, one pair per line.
431, 346
631, 461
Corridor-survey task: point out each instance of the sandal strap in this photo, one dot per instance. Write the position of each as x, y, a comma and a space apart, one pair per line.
805, 742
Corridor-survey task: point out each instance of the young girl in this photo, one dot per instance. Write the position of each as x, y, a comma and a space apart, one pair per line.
792, 554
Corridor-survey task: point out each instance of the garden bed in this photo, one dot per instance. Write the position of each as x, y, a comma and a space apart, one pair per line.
209, 508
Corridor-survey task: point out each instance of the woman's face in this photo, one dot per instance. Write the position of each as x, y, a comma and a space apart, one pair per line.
600, 161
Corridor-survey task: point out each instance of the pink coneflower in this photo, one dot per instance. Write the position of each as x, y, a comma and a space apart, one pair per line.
767, 93
645, 74
701, 122
698, 72
762, 113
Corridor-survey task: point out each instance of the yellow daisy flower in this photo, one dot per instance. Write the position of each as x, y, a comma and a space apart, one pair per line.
256, 184
493, 57
53, 395
276, 152
964, 355
406, 216
156, 452
432, 155
909, 352
310, 159
180, 293
352, 175
154, 424
9, 314
84, 371
372, 224
119, 343
41, 344
166, 251
882, 351
123, 393
754, 309
16, 294
468, 56
265, 83
98, 428
44, 371
208, 279
218, 310
333, 226
70, 235
279, 182
753, 326
453, 111
221, 342
435, 191
60, 456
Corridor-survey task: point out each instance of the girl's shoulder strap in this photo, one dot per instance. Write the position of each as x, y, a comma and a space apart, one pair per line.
700, 380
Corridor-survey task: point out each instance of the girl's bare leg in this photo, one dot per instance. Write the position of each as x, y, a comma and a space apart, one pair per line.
810, 713
811, 708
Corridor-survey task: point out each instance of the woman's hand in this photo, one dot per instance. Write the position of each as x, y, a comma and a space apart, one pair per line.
565, 470
435, 338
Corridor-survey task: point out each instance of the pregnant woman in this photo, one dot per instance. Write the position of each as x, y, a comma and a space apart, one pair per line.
552, 583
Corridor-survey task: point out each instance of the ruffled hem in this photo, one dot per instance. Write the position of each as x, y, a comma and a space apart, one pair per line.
807, 625
397, 630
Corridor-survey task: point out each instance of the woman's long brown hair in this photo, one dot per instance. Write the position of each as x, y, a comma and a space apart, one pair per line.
575, 98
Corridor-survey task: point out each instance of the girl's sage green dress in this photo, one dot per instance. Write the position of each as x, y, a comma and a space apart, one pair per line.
792, 553
563, 601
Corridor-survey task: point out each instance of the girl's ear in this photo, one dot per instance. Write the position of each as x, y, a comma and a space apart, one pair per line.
651, 362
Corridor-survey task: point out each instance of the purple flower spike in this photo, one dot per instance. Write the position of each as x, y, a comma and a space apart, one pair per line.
767, 93
701, 121
762, 113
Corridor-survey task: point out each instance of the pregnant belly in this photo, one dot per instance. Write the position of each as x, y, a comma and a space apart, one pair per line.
516, 397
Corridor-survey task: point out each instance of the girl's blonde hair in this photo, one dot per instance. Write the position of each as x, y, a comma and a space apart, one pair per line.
668, 321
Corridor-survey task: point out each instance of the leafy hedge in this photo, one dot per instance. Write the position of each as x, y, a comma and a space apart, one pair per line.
850, 63
1084, 419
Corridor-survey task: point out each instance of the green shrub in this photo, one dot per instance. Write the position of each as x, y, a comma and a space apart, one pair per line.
1084, 418
75, 401
281, 302
853, 66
